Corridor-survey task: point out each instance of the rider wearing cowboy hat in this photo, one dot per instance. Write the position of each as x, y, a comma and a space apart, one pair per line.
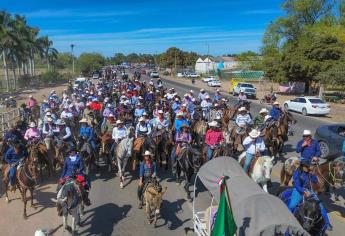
259, 120
276, 111
86, 132
63, 132
243, 119
147, 171
142, 128
303, 177
119, 133
254, 145
160, 122
180, 120
308, 147
214, 137
32, 132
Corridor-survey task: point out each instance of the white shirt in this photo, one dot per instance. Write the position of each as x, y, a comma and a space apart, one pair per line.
252, 148
119, 133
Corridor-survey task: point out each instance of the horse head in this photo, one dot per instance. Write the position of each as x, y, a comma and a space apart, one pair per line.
309, 214
267, 166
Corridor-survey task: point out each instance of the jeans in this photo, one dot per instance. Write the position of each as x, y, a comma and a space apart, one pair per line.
113, 146
93, 144
249, 158
209, 153
296, 198
12, 175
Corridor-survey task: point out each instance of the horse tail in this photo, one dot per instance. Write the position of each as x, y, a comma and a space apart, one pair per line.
282, 175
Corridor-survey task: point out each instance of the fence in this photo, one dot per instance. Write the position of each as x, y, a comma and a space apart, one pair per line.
7, 118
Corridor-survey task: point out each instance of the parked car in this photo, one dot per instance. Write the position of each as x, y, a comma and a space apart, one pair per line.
154, 74
95, 76
331, 139
308, 106
243, 86
214, 83
179, 75
78, 81
193, 75
208, 79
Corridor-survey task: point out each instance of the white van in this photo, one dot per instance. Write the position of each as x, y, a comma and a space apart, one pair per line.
78, 81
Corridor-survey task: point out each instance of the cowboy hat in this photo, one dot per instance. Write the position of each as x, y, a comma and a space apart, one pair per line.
119, 122
184, 105
110, 115
184, 126
147, 153
202, 90
254, 133
144, 114
60, 122
180, 114
263, 110
141, 119
276, 103
160, 112
242, 109
83, 120
207, 97
306, 132
47, 110
48, 113
49, 119
32, 125
213, 124
267, 117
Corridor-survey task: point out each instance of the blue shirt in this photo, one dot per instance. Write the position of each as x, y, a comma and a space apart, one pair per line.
310, 151
275, 113
176, 106
179, 123
217, 97
70, 167
11, 157
139, 112
301, 181
146, 170
86, 132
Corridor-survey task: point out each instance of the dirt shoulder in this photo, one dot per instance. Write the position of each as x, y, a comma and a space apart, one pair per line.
337, 110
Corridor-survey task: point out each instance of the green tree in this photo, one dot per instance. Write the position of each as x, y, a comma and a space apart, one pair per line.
89, 62
64, 60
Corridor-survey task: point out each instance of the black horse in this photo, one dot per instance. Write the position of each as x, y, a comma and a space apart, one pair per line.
187, 161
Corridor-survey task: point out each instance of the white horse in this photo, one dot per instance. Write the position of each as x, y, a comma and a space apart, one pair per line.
261, 173
69, 202
123, 152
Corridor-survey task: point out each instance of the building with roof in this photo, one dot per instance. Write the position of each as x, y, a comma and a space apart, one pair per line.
205, 66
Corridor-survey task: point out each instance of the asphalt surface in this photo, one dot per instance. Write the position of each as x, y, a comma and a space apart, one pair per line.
114, 211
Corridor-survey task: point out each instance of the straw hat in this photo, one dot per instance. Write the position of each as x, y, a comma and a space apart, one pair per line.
242, 109
263, 110
147, 153
254, 133
83, 120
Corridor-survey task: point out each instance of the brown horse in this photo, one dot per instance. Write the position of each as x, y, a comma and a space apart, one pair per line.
272, 140
26, 177
60, 154
164, 142
329, 174
283, 127
40, 151
104, 151
228, 114
153, 201
199, 129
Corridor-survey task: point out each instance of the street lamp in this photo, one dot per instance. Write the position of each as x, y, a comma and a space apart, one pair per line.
72, 47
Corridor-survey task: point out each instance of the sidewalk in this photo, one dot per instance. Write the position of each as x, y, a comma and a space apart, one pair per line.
337, 110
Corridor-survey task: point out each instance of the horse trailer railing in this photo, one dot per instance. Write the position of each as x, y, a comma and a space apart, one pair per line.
8, 118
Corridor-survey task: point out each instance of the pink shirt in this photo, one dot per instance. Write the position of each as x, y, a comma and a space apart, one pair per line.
31, 103
214, 137
32, 133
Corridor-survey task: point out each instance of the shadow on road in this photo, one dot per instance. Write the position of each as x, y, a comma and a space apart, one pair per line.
102, 219
170, 211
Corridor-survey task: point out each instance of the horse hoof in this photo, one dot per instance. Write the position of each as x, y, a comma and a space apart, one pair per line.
121, 185
7, 200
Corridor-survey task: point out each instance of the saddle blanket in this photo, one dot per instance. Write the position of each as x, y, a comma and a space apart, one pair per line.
137, 144
252, 164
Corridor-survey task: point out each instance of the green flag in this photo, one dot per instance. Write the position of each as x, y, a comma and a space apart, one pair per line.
225, 223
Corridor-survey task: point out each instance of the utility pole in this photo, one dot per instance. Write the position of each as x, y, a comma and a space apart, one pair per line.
207, 56
175, 61
72, 47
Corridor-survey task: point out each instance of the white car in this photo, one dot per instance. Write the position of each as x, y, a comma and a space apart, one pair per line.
208, 79
308, 106
154, 74
214, 83
179, 75
78, 81
193, 75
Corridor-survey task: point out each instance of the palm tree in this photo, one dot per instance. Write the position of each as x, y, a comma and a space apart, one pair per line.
50, 53
8, 41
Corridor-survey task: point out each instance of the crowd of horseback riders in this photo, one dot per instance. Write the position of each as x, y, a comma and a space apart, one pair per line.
120, 119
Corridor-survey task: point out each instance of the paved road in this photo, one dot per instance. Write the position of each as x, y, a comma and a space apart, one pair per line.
114, 211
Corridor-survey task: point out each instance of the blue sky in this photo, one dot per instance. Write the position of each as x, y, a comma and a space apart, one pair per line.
150, 26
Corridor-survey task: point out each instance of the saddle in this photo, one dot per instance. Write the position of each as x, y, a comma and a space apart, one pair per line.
153, 182
252, 164
106, 138
158, 133
138, 143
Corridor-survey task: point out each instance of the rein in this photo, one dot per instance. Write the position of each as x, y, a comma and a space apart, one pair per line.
335, 180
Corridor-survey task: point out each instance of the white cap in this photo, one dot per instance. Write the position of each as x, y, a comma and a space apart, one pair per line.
242, 109
306, 132
32, 125
254, 133
263, 110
